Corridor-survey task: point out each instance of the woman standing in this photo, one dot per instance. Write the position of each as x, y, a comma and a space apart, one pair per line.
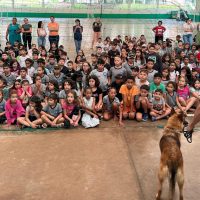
97, 31
188, 28
13, 30
27, 33
41, 32
77, 30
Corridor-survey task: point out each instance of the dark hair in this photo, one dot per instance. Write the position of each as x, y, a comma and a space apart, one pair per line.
3, 80
17, 80
1, 92
12, 91
164, 57
144, 70
100, 61
172, 83
75, 96
70, 81
39, 24
157, 75
144, 87
97, 83
23, 69
41, 60
55, 83
37, 101
53, 96
29, 60
159, 90
25, 81
130, 78
87, 88
166, 68
193, 83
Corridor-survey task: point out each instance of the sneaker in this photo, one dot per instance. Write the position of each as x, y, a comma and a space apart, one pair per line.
153, 119
145, 117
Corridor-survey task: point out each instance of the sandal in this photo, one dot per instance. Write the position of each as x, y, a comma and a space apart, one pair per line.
188, 135
44, 125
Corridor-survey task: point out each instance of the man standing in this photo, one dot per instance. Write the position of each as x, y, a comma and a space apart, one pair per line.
53, 28
159, 30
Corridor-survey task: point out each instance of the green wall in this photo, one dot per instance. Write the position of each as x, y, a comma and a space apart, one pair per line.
85, 15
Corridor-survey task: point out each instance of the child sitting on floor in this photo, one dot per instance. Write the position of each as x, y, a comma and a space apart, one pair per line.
52, 113
32, 117
13, 108
143, 103
90, 118
159, 109
71, 111
128, 91
110, 105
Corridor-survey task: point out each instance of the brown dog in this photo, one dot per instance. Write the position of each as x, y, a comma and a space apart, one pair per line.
171, 161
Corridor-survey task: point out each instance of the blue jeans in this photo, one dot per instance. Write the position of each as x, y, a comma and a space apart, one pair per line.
77, 45
188, 39
41, 41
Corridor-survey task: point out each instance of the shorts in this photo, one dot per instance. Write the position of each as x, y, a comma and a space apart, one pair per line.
2, 119
128, 108
32, 118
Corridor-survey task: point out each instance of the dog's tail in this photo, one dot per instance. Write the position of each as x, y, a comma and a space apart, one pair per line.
172, 181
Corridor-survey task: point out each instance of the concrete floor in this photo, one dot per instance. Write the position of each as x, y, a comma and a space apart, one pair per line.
105, 163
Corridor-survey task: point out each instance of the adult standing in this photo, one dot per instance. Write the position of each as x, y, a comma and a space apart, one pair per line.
13, 30
41, 32
27, 33
198, 35
159, 31
77, 30
188, 28
53, 28
96, 31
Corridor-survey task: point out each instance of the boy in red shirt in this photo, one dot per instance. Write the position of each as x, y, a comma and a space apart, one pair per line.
159, 30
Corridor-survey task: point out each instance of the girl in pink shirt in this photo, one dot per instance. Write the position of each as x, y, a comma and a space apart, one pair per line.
183, 93
13, 108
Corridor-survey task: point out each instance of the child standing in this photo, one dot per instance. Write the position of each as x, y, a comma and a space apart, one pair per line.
71, 110
32, 116
52, 113
90, 118
13, 108
159, 109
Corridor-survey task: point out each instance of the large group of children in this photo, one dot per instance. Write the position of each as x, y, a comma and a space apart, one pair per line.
123, 79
